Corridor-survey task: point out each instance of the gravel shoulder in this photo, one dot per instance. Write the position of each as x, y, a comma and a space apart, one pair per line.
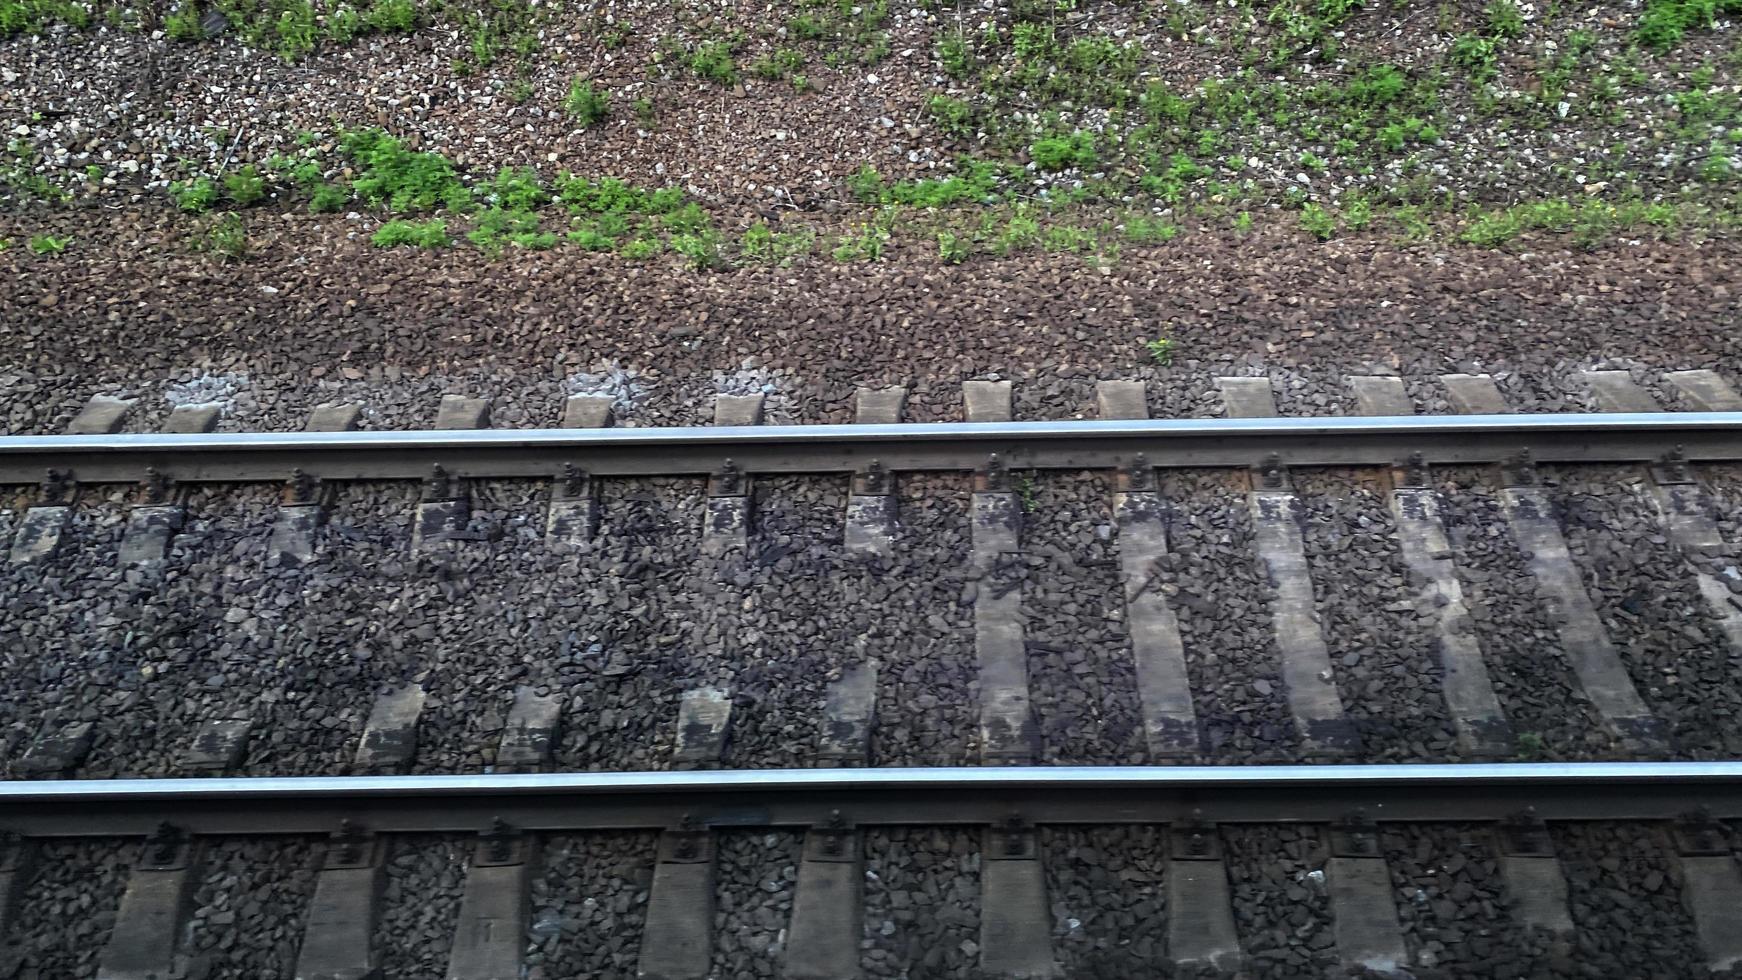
310, 320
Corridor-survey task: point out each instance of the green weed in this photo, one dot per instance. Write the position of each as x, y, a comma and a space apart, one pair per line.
1357, 213
953, 249
1161, 350
865, 245
226, 237
689, 219
1476, 54
1393, 136
701, 249
183, 23
1146, 229
853, 31
591, 239
498, 227
402, 180
194, 196
20, 175
1068, 238
956, 57
515, 189
587, 105
1056, 153
1665, 22
328, 197
294, 30
34, 16
1020, 232
245, 186
713, 61
1378, 86
978, 182
611, 195
1505, 19
953, 116
1589, 221
428, 234
1318, 222
614, 36
781, 64
391, 16
764, 245
1530, 746
645, 247
46, 244
1161, 105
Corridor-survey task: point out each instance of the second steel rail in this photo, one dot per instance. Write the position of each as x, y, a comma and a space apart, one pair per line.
510, 453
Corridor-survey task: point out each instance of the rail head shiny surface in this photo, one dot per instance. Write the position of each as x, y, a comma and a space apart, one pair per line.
808, 797
1545, 425
936, 446
1471, 775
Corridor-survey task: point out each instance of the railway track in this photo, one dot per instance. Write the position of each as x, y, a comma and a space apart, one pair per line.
1250, 589
566, 619
1275, 871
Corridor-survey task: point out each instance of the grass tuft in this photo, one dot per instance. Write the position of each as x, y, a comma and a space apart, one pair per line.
428, 234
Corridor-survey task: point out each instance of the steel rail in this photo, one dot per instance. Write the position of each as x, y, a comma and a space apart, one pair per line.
804, 797
957, 446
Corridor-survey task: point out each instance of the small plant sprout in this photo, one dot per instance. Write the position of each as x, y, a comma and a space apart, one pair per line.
952, 248
227, 237
1161, 350
245, 186
196, 196
46, 244
430, 234
1530, 746
588, 105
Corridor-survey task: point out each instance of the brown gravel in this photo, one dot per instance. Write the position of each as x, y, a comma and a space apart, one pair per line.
127, 308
